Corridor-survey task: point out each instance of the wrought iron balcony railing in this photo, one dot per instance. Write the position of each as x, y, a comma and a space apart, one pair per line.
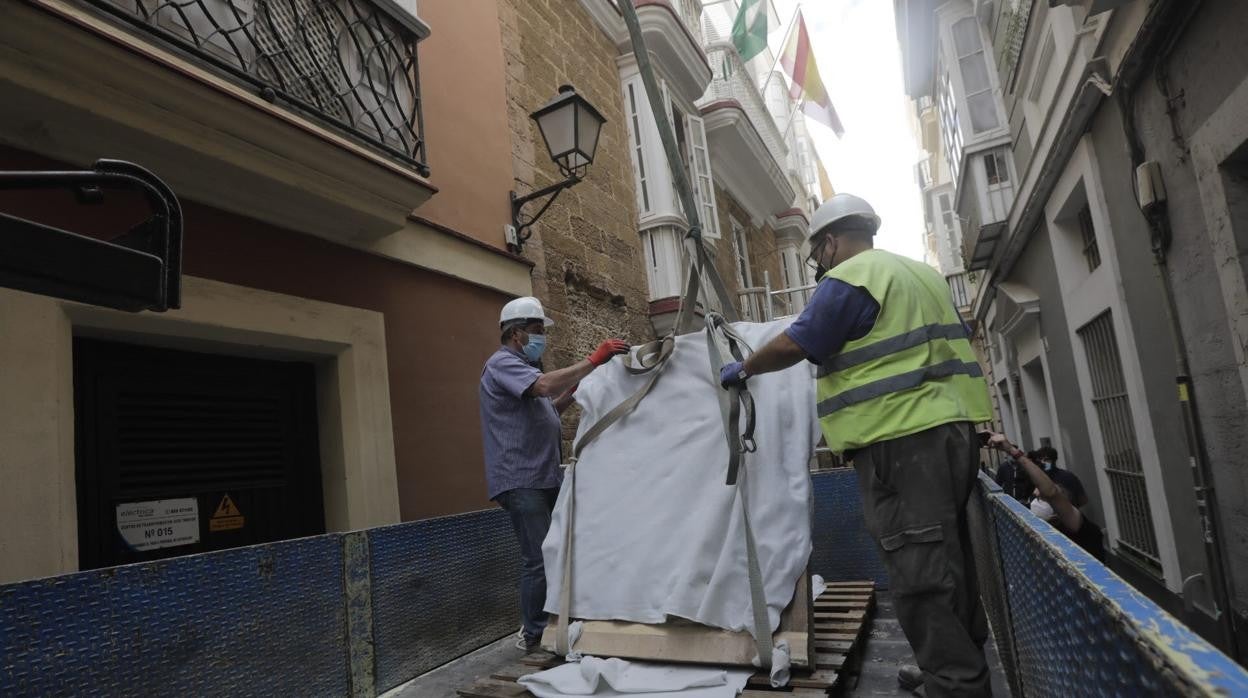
732, 81
348, 63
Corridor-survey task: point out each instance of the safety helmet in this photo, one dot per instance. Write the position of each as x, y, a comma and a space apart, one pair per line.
524, 308
839, 207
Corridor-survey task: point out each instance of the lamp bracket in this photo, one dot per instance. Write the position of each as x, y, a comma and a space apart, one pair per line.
523, 223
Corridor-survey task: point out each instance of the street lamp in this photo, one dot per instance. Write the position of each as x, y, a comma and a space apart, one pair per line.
570, 126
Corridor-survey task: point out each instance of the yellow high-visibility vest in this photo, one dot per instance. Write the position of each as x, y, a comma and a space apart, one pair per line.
913, 371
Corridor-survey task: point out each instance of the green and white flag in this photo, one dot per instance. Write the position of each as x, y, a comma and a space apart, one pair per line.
749, 30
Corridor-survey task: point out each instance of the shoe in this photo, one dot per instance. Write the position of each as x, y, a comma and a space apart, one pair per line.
910, 677
531, 646
520, 643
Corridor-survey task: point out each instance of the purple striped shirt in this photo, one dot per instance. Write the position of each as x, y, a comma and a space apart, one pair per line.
520, 433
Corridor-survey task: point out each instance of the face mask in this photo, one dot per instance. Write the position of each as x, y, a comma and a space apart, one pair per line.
535, 348
1041, 509
817, 260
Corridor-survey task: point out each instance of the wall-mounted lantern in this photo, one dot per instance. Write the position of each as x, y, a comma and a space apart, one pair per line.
570, 127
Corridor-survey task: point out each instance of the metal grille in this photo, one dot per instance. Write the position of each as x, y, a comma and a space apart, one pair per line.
734, 83
1121, 449
345, 62
199, 442
1091, 251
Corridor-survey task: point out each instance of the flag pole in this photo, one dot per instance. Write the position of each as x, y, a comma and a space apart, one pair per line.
792, 117
783, 42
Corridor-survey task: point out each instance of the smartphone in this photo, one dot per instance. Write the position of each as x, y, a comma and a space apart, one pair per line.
984, 438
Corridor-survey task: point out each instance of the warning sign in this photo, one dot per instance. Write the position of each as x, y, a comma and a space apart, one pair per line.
162, 523
227, 516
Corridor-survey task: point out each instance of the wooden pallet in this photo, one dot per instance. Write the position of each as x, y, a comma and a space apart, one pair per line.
841, 616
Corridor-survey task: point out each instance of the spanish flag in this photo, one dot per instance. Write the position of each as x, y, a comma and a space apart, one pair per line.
798, 60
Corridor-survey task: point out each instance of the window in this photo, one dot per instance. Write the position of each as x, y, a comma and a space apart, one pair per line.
976, 81
946, 214
1091, 252
703, 185
1040, 77
690, 133
1118, 441
996, 168
635, 120
950, 127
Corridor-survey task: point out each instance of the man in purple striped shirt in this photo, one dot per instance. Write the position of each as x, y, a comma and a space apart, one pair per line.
520, 407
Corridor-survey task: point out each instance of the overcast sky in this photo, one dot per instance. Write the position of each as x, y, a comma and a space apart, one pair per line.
855, 43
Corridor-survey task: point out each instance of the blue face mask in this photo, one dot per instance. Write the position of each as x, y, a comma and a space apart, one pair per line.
535, 348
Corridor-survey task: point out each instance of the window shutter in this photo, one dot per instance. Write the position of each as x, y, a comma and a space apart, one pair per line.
703, 184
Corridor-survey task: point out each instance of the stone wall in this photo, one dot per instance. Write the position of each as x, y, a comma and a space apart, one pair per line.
589, 272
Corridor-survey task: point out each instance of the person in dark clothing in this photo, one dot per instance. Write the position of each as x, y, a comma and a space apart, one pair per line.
1053, 501
1046, 456
1013, 479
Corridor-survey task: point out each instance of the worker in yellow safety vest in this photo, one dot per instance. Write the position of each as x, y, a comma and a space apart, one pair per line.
899, 392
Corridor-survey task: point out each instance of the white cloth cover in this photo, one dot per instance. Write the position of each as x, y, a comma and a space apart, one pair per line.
657, 531
615, 677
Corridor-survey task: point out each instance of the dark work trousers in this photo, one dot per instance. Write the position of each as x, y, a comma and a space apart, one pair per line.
914, 494
530, 510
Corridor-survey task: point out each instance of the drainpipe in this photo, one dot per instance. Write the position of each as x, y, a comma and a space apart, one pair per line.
1161, 32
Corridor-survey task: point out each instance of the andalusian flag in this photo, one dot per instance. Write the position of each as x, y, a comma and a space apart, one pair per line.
798, 60
749, 30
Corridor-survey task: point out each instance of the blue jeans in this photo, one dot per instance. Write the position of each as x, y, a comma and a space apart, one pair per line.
530, 515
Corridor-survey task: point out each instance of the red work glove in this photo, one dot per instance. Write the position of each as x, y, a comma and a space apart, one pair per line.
606, 350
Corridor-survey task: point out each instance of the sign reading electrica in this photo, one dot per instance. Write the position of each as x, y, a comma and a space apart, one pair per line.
162, 523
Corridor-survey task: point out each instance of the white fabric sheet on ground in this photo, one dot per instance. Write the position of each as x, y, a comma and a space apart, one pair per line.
657, 531
615, 677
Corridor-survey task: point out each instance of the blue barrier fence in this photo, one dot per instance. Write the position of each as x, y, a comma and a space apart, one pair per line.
359, 613
843, 550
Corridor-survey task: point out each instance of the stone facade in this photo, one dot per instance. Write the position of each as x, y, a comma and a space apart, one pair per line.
589, 271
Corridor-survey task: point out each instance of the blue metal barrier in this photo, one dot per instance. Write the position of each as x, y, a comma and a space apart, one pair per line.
441, 588
262, 620
1074, 628
365, 611
339, 614
843, 550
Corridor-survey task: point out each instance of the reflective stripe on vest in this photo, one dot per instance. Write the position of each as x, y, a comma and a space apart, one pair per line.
892, 345
897, 383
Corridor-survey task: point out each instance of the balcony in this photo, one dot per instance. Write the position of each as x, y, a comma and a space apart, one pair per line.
747, 151
304, 114
923, 173
673, 33
963, 288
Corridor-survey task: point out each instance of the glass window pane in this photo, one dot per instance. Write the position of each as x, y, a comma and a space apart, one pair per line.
975, 73
983, 111
966, 37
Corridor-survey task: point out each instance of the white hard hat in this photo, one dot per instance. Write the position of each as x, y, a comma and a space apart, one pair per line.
524, 308
842, 206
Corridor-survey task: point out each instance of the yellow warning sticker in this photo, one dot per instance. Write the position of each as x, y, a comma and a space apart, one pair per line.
227, 516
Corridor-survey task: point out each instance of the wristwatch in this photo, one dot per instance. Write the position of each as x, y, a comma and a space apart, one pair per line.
1017, 453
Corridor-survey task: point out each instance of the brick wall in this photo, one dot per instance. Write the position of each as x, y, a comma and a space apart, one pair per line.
589, 265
